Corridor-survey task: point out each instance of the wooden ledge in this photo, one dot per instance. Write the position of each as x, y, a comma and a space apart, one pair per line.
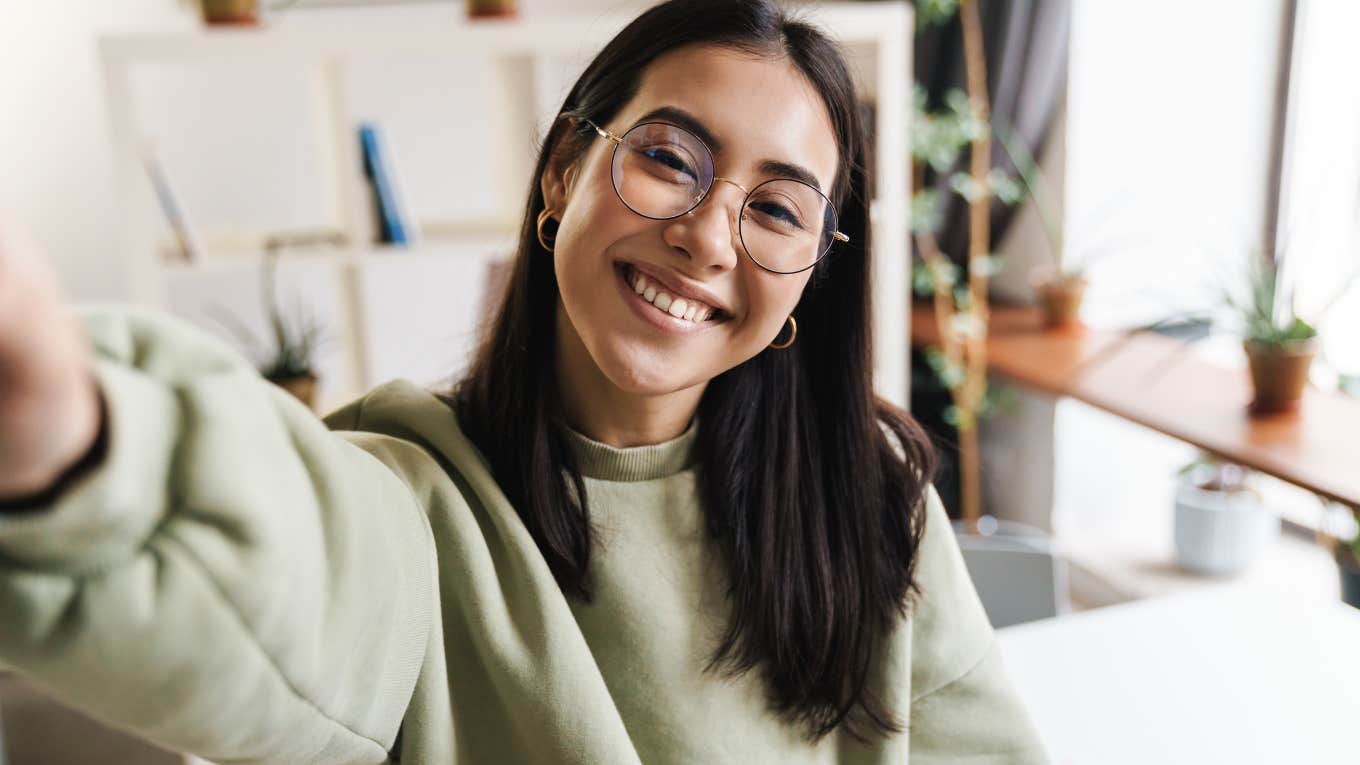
1150, 379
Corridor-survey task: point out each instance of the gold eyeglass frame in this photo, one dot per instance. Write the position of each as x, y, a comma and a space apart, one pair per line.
617, 140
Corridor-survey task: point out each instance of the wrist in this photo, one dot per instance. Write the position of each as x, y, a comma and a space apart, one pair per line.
66, 459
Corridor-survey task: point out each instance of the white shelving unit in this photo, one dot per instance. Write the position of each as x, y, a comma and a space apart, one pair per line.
532, 62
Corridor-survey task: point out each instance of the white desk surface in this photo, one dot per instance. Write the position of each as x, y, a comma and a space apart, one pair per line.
1225, 674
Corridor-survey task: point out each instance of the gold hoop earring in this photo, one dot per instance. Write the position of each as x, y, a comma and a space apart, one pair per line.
793, 333
543, 218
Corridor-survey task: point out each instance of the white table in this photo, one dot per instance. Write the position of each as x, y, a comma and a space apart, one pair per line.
1225, 674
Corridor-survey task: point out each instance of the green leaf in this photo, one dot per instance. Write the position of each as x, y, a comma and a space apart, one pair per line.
923, 276
1033, 180
1300, 330
922, 279
998, 401
920, 98
931, 13
988, 265
936, 140
946, 371
1005, 187
969, 123
964, 419
965, 186
963, 299
1256, 315
925, 211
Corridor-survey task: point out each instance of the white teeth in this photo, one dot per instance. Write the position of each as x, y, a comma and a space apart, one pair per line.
680, 308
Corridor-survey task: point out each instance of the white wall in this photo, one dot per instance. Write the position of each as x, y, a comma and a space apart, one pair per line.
56, 168
56, 172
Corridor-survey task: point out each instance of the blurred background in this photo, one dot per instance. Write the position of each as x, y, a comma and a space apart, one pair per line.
1133, 329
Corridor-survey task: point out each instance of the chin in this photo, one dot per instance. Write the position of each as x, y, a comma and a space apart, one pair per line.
646, 374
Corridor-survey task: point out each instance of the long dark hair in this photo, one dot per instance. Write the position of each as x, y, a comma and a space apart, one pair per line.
813, 488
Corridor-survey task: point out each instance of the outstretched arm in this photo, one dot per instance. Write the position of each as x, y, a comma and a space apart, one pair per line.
228, 577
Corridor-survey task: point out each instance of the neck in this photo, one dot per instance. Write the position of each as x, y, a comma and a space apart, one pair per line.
598, 409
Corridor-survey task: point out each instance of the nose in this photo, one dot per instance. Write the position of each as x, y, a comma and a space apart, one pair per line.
710, 233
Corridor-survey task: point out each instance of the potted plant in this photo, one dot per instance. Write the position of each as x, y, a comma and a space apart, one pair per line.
1280, 345
1221, 522
289, 360
491, 9
1061, 285
230, 12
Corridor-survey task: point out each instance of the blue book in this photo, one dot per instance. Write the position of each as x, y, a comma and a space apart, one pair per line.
378, 169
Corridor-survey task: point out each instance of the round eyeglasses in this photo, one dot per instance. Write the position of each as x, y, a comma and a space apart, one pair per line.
662, 171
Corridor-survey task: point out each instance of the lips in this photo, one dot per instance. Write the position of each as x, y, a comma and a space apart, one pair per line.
662, 299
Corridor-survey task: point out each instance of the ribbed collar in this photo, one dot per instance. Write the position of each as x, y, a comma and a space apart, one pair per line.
635, 463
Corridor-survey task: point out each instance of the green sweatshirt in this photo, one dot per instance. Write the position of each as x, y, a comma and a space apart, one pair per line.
240, 580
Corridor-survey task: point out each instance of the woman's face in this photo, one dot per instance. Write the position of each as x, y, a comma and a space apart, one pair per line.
756, 110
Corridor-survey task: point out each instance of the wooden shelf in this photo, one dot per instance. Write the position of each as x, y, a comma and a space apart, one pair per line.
477, 249
1151, 380
532, 62
443, 30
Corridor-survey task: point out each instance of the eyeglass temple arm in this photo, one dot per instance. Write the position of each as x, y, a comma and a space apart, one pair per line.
605, 134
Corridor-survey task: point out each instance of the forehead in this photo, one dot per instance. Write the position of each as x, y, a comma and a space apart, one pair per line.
757, 108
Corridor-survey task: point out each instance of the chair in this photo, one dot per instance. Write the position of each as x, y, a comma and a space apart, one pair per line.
1018, 576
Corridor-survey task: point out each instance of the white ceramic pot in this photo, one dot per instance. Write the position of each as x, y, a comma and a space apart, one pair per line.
1219, 533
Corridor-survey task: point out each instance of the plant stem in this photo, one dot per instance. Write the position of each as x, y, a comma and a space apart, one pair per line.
969, 397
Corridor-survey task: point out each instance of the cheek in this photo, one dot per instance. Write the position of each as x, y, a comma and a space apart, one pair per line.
770, 299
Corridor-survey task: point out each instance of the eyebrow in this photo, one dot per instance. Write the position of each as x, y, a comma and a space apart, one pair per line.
684, 119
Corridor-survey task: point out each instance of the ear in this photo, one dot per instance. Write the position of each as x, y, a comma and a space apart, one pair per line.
558, 176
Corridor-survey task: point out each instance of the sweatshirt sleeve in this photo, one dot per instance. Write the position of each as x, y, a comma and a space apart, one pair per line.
964, 707
233, 579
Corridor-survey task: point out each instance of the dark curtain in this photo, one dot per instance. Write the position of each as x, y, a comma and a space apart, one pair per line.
1026, 44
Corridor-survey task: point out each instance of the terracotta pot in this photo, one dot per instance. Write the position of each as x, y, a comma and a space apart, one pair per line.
302, 387
484, 9
1279, 374
231, 12
1060, 300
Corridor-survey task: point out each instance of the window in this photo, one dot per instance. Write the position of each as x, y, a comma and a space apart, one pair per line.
1320, 199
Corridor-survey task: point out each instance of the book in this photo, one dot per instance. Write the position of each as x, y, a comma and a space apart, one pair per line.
394, 222
190, 248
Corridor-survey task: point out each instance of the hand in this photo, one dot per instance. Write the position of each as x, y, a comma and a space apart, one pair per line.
49, 401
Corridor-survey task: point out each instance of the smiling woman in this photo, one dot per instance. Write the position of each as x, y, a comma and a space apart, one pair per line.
664, 518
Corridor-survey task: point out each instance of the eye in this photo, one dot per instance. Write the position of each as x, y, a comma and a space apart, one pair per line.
773, 213
670, 160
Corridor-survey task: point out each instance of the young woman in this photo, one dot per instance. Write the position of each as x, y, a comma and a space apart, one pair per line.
663, 519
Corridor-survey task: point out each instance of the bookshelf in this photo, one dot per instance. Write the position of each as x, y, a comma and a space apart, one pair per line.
529, 63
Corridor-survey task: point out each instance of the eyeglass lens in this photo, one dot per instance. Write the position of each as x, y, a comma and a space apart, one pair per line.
662, 171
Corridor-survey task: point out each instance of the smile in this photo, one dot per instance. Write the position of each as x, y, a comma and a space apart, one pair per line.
653, 294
